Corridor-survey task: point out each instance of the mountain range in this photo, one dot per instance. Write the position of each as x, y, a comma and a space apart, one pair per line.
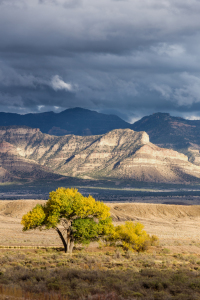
82, 143
163, 129
118, 154
76, 121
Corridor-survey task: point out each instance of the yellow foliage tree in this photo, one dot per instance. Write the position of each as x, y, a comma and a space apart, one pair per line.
133, 236
82, 218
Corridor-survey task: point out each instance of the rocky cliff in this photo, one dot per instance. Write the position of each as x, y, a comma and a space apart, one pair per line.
13, 165
121, 153
172, 132
164, 130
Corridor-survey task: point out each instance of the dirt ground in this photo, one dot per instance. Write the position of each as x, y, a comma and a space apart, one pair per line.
177, 226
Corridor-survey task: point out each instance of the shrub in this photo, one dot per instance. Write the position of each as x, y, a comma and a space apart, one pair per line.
154, 240
117, 254
133, 236
166, 251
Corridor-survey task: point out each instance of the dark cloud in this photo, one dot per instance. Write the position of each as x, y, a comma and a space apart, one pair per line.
126, 57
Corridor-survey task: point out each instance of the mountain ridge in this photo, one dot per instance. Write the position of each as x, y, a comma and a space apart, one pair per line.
164, 130
173, 133
76, 120
118, 154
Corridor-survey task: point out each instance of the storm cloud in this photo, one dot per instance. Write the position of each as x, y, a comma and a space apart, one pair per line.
128, 57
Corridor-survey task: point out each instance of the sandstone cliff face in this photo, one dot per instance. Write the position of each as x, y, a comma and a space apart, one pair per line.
14, 168
173, 132
13, 165
121, 153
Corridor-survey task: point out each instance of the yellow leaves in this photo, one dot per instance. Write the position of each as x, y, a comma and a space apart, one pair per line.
34, 218
70, 203
65, 203
106, 227
87, 206
52, 220
132, 235
83, 206
60, 192
101, 210
61, 199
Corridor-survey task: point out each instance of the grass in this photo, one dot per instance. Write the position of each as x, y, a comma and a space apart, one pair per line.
98, 274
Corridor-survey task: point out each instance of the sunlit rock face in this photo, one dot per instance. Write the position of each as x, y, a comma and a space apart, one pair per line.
14, 165
173, 133
120, 153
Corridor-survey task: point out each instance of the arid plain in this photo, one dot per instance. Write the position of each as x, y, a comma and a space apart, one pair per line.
177, 226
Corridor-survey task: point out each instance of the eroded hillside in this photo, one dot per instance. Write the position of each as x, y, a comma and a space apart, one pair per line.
14, 167
121, 153
173, 133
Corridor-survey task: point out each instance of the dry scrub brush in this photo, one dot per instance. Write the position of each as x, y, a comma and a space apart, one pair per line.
100, 275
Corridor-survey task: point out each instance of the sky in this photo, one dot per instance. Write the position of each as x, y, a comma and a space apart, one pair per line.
126, 57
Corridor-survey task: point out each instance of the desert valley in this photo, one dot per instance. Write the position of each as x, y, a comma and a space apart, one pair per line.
155, 184
99, 150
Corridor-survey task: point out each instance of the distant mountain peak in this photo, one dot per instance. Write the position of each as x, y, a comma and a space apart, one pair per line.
76, 110
161, 114
77, 121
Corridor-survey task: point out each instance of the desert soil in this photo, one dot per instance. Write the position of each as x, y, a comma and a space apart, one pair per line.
177, 226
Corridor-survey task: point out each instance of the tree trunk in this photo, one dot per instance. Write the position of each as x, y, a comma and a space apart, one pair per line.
69, 244
62, 239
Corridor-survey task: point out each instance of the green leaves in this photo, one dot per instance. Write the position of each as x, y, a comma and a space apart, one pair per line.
84, 230
88, 229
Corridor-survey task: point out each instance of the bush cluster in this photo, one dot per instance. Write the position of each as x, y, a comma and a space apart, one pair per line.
133, 237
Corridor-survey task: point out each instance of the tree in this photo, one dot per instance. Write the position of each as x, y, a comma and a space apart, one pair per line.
82, 218
133, 236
